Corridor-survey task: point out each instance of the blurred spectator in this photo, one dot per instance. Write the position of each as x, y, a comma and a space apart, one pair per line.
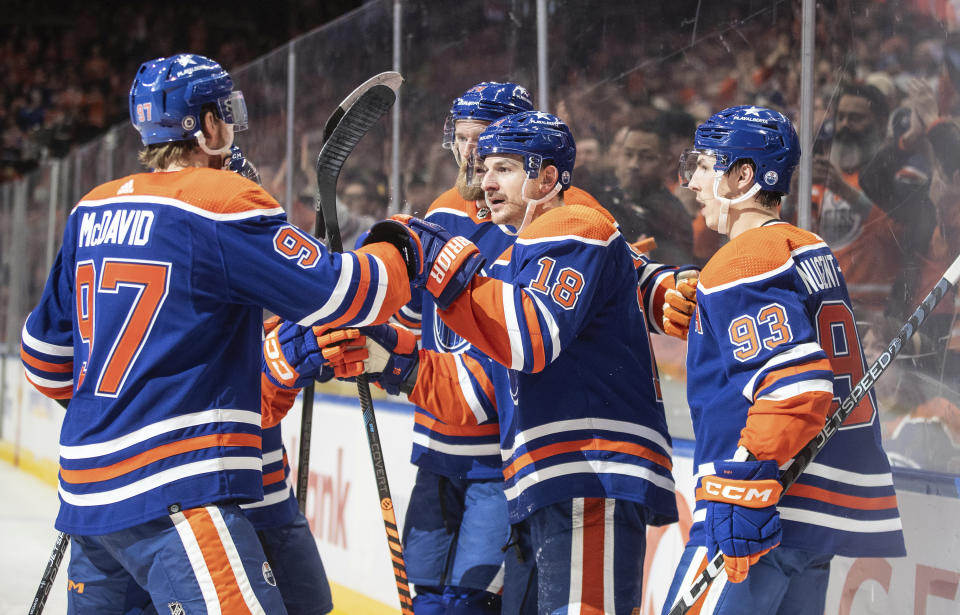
862, 235
640, 200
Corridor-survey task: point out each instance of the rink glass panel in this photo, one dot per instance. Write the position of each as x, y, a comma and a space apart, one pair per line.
610, 65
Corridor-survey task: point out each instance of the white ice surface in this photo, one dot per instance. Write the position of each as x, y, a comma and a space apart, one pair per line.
26, 540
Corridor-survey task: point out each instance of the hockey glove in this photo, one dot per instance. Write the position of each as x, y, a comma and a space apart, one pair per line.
447, 263
386, 353
239, 164
742, 518
680, 302
292, 356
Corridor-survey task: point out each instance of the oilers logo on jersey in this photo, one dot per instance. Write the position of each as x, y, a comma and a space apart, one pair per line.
446, 339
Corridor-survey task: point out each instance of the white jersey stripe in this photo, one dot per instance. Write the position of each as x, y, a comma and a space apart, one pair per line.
577, 238
852, 478
791, 354
159, 479
272, 456
339, 293
382, 284
596, 466
40, 346
552, 327
497, 583
194, 419
49, 384
466, 389
798, 388
272, 498
513, 327
207, 589
839, 523
590, 424
464, 450
609, 595
576, 553
134, 199
236, 564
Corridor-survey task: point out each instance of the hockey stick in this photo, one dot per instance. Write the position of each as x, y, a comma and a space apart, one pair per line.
803, 459
348, 124
49, 574
388, 79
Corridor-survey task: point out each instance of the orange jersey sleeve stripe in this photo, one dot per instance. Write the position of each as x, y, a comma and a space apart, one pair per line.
446, 429
481, 376
58, 393
840, 499
155, 454
273, 478
398, 282
217, 561
363, 286
46, 366
533, 327
479, 313
595, 444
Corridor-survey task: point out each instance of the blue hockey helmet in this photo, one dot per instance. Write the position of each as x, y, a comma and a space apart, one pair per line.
763, 136
168, 94
487, 101
539, 138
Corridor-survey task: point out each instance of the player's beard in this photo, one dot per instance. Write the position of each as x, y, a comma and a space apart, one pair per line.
851, 151
468, 192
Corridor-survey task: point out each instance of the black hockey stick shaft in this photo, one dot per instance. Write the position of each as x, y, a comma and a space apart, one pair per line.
806, 455
332, 162
49, 574
356, 116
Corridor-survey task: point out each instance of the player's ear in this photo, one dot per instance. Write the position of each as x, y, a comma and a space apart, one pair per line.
208, 123
746, 177
548, 178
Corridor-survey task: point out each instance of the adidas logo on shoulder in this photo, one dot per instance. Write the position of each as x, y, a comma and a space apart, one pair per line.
126, 188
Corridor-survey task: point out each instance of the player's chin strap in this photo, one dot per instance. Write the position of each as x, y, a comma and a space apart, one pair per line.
532, 204
202, 142
723, 223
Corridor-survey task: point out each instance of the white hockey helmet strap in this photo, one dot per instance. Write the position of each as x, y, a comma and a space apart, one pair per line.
723, 222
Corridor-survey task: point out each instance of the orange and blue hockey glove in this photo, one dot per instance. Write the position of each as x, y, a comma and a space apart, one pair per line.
680, 302
742, 518
386, 353
448, 263
292, 356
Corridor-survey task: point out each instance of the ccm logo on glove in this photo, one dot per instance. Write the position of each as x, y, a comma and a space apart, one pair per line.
278, 363
750, 493
447, 257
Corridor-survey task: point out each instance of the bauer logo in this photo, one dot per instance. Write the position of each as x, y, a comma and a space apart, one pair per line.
771, 177
268, 574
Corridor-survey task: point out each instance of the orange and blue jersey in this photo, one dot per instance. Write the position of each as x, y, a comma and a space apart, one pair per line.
150, 322
772, 350
579, 413
452, 374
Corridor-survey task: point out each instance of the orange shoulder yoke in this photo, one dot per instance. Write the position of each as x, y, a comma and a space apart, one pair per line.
571, 219
755, 252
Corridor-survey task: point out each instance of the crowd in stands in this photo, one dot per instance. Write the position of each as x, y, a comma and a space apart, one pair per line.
66, 65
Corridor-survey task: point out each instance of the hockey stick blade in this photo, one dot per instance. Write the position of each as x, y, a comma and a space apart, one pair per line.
391, 79
687, 599
366, 110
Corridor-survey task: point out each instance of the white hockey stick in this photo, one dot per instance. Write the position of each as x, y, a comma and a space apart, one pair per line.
687, 599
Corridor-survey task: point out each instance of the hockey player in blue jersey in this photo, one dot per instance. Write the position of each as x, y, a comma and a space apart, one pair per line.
583, 440
150, 324
772, 349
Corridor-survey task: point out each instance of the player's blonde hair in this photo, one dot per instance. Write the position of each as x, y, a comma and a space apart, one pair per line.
162, 155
